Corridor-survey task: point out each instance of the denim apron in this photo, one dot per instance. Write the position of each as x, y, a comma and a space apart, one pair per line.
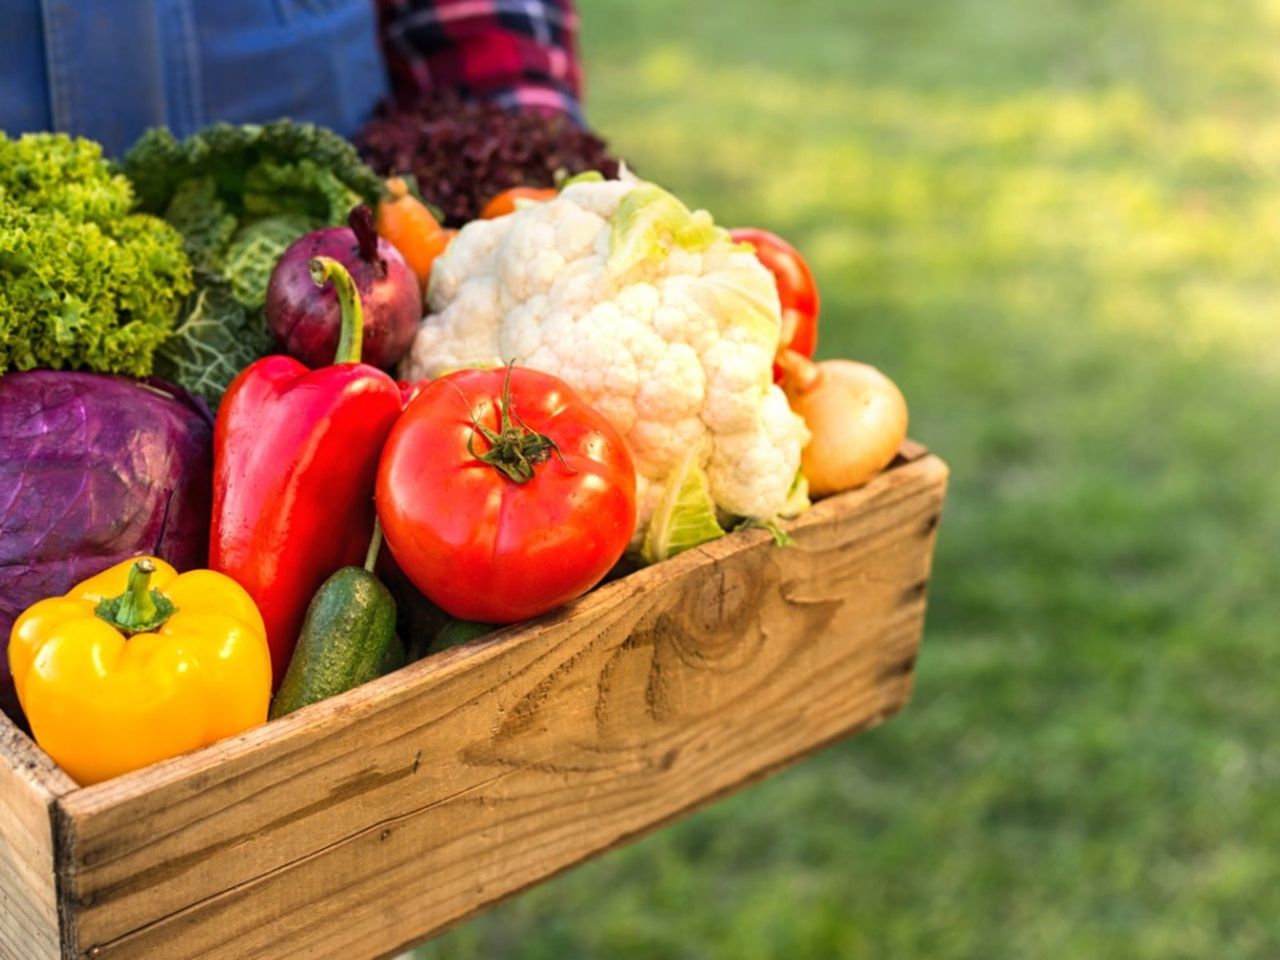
108, 69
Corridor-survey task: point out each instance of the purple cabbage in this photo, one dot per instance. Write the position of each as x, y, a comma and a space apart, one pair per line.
95, 469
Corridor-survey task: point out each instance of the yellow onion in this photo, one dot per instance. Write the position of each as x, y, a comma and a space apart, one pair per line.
857, 416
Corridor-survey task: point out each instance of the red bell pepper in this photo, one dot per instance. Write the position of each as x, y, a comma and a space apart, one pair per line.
409, 390
295, 459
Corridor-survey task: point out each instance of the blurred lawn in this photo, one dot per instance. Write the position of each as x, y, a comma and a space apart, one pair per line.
1056, 223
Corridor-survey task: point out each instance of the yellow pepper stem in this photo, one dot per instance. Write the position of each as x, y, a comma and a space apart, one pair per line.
139, 609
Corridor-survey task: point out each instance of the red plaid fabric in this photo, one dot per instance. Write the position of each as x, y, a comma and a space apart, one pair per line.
520, 53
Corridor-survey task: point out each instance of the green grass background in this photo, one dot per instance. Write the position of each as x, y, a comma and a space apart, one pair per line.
1056, 224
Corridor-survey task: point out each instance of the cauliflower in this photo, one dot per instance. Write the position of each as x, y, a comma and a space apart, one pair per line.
658, 319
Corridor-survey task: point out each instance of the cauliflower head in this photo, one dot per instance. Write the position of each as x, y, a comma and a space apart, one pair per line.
656, 317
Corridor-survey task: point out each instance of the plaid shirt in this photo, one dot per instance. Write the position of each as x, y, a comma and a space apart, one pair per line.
519, 53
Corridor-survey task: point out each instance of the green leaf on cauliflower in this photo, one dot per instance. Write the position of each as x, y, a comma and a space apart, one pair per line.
780, 537
797, 503
752, 305
650, 223
685, 517
797, 497
586, 176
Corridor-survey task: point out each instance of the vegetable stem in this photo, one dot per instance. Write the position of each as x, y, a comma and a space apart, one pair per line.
360, 220
136, 604
516, 448
139, 609
799, 372
375, 544
327, 270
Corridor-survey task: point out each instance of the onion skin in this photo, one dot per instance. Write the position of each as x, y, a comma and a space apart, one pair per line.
857, 416
306, 320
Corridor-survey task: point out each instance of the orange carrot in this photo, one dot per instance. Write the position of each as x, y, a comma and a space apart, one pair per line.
406, 223
505, 202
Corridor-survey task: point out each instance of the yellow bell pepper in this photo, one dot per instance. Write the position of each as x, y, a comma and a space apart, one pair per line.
138, 664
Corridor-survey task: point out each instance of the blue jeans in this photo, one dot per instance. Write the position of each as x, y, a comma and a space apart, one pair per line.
108, 69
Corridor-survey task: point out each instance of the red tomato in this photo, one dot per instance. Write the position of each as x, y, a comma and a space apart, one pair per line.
796, 290
504, 498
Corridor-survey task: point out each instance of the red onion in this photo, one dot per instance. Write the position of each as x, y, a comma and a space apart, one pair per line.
307, 319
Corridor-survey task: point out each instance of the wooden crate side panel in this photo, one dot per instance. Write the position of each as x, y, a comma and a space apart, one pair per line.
29, 784
399, 810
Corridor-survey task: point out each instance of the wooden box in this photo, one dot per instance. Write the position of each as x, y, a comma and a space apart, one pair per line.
370, 822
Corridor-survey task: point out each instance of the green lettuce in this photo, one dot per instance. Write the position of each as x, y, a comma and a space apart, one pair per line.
84, 283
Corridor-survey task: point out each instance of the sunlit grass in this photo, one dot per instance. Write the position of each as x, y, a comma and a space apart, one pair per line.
1175, 223
1057, 224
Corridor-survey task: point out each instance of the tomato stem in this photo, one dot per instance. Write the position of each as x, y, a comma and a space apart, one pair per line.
516, 448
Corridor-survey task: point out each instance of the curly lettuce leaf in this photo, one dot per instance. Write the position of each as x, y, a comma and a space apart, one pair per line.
57, 173
686, 515
84, 284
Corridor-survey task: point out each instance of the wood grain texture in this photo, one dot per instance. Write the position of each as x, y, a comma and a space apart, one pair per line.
371, 821
29, 786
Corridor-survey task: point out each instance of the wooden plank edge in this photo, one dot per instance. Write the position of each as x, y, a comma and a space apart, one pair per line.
64, 865
44, 783
751, 780
32, 765
903, 479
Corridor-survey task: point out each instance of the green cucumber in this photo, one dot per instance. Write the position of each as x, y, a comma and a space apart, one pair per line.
348, 638
457, 632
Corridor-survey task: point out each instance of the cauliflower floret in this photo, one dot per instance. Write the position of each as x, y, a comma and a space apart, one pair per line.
746, 472
650, 312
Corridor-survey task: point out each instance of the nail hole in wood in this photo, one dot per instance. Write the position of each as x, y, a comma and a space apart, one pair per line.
901, 669
915, 592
